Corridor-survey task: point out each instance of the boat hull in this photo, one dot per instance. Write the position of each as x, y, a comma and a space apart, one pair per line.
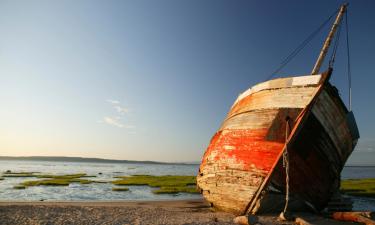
242, 167
317, 155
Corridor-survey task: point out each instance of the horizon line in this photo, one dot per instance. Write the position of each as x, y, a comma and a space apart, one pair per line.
97, 159
104, 160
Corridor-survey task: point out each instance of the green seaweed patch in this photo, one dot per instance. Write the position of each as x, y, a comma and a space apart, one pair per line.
47, 182
166, 184
156, 181
100, 181
175, 190
58, 180
18, 187
120, 189
18, 174
10, 172
1, 178
55, 182
81, 181
359, 187
66, 176
33, 174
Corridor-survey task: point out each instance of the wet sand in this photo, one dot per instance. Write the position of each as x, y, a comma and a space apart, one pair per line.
121, 213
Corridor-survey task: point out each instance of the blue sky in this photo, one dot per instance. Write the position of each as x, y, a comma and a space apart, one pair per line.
152, 80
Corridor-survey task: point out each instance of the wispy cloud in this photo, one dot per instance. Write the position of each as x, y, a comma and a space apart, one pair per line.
114, 102
116, 120
120, 109
113, 122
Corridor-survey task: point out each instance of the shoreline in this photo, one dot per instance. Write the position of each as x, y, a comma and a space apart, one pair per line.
159, 203
111, 212
169, 212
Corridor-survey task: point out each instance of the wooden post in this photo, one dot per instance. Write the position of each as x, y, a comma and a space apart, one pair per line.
327, 42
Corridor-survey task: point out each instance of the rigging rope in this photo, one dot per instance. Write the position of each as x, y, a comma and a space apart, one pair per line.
286, 164
283, 215
335, 46
332, 59
300, 47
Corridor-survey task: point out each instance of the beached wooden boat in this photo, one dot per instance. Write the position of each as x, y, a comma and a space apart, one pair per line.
242, 169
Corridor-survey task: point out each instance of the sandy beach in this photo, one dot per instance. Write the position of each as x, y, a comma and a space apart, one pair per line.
121, 213
142, 212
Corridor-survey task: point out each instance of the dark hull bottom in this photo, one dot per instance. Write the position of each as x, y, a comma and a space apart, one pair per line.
315, 161
312, 178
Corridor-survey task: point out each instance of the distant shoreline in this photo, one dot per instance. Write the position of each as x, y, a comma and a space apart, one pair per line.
359, 166
101, 160
95, 160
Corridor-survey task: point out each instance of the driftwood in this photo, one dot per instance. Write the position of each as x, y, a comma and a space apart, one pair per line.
246, 220
361, 217
242, 220
301, 221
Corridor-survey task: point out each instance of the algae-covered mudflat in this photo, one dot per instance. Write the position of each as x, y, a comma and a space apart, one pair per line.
120, 189
74, 181
166, 184
359, 187
49, 181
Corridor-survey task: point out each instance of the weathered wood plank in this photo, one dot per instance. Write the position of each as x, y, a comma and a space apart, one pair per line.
279, 83
333, 119
295, 97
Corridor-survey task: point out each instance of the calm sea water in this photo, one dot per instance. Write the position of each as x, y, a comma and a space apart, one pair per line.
90, 192
353, 172
107, 171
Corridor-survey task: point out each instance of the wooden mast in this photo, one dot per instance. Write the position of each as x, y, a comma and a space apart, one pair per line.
327, 42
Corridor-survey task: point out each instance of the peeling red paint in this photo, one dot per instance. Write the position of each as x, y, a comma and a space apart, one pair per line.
246, 147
